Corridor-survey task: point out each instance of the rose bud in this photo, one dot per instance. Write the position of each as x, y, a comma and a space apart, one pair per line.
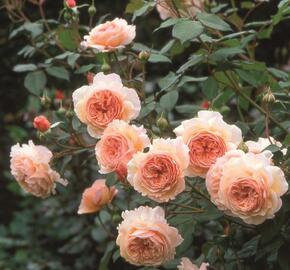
71, 3
59, 95
41, 123
205, 105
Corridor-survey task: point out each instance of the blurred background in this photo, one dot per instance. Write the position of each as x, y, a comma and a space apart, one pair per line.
38, 234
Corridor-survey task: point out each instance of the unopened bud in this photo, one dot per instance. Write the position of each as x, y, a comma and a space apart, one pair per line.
162, 123
105, 67
41, 123
144, 56
61, 111
92, 10
69, 114
45, 101
269, 97
242, 146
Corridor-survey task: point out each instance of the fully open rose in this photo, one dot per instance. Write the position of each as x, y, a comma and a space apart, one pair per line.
188, 8
110, 35
208, 137
96, 196
106, 99
29, 165
145, 238
247, 186
186, 264
117, 146
159, 173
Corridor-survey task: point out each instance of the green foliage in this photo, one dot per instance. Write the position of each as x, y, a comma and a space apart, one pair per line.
213, 57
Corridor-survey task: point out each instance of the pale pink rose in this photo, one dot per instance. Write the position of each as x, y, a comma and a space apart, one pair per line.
96, 197
119, 142
110, 35
188, 8
208, 137
145, 238
104, 100
29, 165
214, 175
159, 173
249, 186
262, 143
186, 264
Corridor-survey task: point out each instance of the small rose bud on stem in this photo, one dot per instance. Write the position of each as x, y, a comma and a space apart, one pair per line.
41, 123
269, 97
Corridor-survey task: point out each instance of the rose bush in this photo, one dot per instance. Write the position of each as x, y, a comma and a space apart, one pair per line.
188, 138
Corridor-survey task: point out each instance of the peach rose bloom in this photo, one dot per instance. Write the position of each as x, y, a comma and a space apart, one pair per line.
118, 144
261, 144
106, 99
159, 173
110, 35
96, 196
208, 137
29, 165
145, 238
214, 175
249, 186
186, 264
189, 8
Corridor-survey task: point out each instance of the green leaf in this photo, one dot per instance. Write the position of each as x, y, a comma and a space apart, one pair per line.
147, 109
167, 23
279, 74
35, 28
107, 256
72, 58
84, 69
193, 60
58, 72
169, 100
225, 53
111, 179
186, 30
24, 68
158, 58
213, 21
210, 88
134, 5
143, 10
69, 38
168, 81
35, 82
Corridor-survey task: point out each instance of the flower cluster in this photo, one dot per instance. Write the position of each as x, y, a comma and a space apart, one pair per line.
244, 185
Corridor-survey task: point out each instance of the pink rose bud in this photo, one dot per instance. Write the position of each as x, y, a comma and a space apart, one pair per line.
59, 95
205, 104
41, 123
71, 3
